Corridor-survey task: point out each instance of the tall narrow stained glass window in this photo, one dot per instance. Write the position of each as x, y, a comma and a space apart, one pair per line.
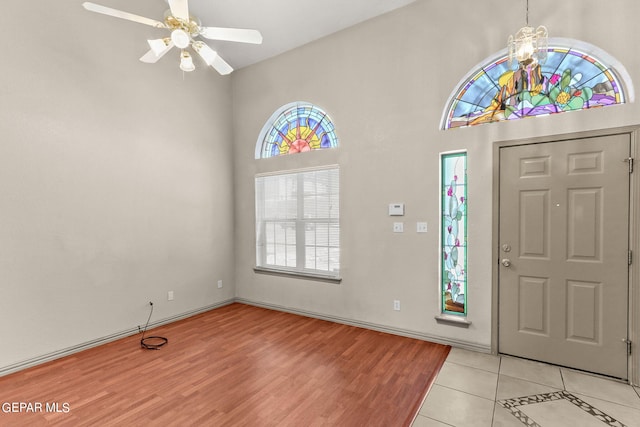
575, 76
296, 128
453, 226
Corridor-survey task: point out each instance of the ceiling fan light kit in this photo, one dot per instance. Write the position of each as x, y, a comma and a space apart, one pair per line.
184, 29
180, 38
186, 62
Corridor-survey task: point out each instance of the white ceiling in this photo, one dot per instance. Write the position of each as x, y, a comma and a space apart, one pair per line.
284, 24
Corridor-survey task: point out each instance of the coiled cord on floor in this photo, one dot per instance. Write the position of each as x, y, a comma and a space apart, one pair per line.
159, 341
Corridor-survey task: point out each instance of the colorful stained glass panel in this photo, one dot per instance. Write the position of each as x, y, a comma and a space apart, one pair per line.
453, 274
570, 79
296, 128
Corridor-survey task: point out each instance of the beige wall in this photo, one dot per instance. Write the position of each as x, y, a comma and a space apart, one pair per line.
385, 83
115, 179
120, 181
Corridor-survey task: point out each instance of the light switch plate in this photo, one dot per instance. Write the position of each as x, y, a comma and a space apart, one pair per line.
396, 209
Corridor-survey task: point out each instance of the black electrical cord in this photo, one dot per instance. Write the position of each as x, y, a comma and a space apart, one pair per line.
160, 341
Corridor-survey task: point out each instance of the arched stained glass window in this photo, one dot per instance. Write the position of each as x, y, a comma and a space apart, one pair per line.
575, 76
295, 128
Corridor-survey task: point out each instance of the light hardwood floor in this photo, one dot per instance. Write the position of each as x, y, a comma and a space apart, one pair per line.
238, 365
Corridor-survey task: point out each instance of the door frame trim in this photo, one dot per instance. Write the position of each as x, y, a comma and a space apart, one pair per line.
633, 362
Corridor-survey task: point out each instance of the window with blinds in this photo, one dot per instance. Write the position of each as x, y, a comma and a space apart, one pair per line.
298, 222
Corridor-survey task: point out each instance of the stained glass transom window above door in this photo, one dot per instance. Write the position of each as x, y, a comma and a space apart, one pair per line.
575, 76
296, 128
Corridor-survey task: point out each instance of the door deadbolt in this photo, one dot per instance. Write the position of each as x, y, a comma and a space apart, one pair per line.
506, 248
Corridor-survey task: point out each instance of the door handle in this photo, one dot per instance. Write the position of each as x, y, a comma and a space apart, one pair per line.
506, 262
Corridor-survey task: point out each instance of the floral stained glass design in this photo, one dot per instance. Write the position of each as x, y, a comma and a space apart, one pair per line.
454, 233
296, 128
569, 80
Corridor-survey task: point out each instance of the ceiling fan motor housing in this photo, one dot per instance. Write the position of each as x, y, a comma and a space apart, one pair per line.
190, 27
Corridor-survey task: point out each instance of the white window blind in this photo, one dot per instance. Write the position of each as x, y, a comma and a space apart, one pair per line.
298, 222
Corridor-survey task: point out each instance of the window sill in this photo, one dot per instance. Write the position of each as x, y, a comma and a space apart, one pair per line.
446, 319
298, 274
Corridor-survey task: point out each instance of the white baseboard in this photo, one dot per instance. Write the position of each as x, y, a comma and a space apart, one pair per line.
373, 326
6, 370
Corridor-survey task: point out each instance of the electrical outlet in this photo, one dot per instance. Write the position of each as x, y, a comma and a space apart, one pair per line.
398, 227
396, 305
219, 284
170, 296
421, 227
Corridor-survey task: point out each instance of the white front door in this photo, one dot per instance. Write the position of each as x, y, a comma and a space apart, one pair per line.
564, 253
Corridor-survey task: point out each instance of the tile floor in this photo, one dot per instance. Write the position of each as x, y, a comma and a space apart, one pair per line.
478, 390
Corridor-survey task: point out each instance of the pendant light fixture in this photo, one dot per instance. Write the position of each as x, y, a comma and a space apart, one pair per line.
529, 45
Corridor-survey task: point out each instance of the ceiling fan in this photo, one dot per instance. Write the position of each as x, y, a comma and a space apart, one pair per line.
184, 30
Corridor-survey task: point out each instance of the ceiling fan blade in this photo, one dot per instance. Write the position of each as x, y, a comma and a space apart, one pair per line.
180, 9
212, 58
151, 57
232, 34
205, 52
124, 15
221, 66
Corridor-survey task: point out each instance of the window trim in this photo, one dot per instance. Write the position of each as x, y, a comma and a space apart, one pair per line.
300, 274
